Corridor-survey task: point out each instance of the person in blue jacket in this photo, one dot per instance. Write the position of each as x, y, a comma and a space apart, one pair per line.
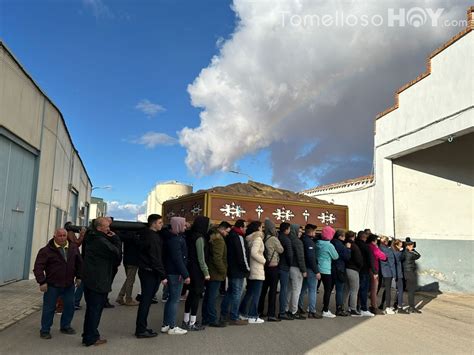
175, 264
389, 272
339, 270
326, 253
397, 247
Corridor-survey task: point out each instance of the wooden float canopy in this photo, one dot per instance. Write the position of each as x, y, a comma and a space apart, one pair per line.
255, 201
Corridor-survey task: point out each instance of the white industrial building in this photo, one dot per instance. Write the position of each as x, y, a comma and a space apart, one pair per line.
424, 168
43, 181
164, 191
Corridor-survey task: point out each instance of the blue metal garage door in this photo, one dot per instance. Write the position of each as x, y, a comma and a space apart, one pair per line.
17, 181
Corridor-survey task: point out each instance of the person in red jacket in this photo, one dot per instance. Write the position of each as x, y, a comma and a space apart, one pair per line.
376, 255
56, 268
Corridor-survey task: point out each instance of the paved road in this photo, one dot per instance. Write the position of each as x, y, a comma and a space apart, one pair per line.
446, 326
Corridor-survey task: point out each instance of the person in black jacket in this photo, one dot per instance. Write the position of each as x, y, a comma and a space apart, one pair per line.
339, 270
353, 266
364, 277
312, 270
237, 269
297, 273
286, 259
101, 259
130, 263
151, 272
409, 257
176, 255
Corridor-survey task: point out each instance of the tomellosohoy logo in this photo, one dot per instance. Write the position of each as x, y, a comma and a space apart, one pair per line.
394, 17
416, 17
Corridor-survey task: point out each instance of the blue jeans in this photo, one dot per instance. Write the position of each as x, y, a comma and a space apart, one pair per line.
49, 307
252, 296
78, 295
284, 279
209, 314
364, 282
95, 302
175, 285
339, 291
309, 285
400, 292
232, 299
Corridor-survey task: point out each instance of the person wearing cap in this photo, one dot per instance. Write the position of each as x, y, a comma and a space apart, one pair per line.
409, 257
326, 253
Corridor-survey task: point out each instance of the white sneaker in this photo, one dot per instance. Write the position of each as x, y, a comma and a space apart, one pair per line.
328, 314
177, 331
165, 328
388, 310
256, 321
367, 314
241, 317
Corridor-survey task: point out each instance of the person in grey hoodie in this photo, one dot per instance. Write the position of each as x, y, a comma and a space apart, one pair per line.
297, 273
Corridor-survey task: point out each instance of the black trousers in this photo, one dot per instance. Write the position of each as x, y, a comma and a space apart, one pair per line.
95, 302
192, 301
150, 283
327, 283
270, 285
410, 277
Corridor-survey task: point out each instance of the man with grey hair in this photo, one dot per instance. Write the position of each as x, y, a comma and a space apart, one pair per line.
57, 265
102, 255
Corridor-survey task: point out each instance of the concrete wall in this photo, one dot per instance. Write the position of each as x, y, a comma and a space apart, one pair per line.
423, 185
163, 192
429, 111
29, 115
360, 202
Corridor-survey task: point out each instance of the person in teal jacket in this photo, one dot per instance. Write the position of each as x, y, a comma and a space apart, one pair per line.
326, 253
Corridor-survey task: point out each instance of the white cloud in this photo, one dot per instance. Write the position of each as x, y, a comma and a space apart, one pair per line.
152, 139
98, 8
125, 211
149, 108
281, 85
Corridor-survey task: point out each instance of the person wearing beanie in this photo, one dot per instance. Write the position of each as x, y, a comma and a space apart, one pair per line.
176, 255
326, 253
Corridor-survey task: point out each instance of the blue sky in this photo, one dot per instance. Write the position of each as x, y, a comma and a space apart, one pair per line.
260, 89
98, 64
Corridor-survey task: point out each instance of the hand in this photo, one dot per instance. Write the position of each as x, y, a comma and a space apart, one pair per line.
78, 282
187, 281
207, 278
348, 245
376, 276
305, 274
82, 232
318, 276
164, 282
44, 287
110, 234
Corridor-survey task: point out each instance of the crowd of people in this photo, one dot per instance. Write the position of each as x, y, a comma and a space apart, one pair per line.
287, 266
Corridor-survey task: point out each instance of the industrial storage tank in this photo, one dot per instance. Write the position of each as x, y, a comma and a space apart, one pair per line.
164, 191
